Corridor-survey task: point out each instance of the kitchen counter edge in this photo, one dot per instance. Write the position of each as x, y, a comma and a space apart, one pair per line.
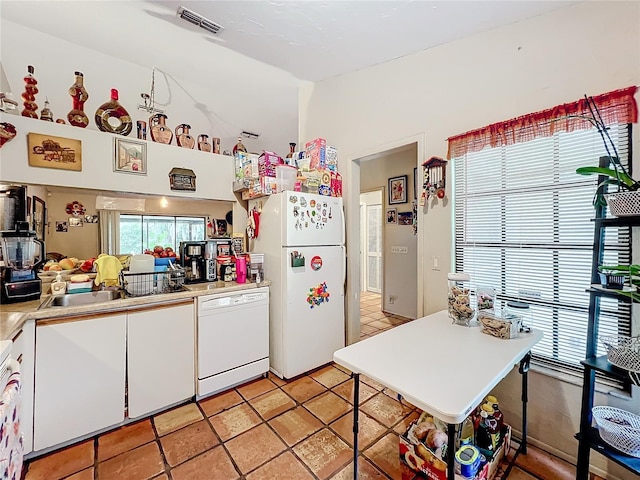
14, 315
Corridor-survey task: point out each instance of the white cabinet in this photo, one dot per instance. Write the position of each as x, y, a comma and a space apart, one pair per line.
23, 350
80, 377
160, 357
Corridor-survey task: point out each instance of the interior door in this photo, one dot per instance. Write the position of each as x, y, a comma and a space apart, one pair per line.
374, 248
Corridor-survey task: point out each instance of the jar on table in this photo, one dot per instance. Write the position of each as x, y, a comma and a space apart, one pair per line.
459, 298
519, 312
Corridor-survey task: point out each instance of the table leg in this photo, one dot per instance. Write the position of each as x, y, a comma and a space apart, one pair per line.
356, 406
524, 371
451, 451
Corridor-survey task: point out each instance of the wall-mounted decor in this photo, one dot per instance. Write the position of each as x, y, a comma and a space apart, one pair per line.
54, 152
91, 219
75, 208
398, 190
434, 180
39, 217
405, 218
130, 156
61, 226
75, 222
392, 216
182, 179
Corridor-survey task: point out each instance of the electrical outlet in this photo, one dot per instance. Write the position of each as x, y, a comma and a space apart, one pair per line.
392, 299
399, 249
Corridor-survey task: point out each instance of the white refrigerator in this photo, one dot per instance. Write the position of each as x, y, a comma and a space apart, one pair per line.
302, 238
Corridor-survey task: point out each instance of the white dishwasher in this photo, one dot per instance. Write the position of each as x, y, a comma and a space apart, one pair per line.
233, 339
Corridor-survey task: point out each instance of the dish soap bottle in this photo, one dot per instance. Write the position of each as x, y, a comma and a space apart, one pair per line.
58, 286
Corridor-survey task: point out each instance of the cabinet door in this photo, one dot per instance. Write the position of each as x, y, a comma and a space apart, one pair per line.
80, 376
160, 357
23, 351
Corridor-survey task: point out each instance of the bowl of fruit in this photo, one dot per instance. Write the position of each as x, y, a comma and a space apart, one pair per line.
163, 255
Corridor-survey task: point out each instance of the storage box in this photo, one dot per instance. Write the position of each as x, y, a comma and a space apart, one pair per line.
331, 158
316, 151
267, 162
336, 184
432, 464
506, 326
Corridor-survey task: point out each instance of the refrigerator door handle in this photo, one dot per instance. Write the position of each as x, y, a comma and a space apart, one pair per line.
344, 266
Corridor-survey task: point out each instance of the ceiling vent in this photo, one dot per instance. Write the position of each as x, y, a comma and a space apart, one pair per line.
193, 17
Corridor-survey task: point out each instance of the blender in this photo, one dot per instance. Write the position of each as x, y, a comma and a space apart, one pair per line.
22, 254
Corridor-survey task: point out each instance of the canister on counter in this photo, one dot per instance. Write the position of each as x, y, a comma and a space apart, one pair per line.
468, 460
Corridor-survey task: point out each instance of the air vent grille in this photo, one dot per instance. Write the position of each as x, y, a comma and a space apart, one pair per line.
199, 20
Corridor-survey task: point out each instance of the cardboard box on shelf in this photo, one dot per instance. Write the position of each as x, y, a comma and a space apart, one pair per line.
331, 158
431, 462
267, 164
316, 151
336, 184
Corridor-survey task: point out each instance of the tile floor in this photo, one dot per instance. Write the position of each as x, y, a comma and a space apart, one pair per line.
268, 429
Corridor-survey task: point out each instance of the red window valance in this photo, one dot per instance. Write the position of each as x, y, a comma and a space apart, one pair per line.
618, 106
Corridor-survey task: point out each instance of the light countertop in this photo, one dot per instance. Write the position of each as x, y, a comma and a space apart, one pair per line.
14, 315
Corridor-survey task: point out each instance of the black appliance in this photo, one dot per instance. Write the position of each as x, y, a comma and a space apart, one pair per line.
192, 259
22, 254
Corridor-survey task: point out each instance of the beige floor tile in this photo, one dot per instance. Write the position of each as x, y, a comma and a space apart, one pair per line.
284, 466
234, 421
295, 425
254, 448
381, 325
384, 455
369, 430
344, 369
62, 463
303, 388
188, 442
218, 403
272, 404
366, 471
139, 464
386, 410
214, 464
324, 453
368, 329
255, 388
160, 477
327, 407
517, 474
403, 426
329, 376
277, 380
345, 390
372, 383
177, 418
124, 439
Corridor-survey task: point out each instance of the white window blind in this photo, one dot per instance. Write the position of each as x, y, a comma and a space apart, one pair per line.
523, 226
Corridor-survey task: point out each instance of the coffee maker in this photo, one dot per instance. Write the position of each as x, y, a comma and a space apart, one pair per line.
210, 254
192, 259
22, 254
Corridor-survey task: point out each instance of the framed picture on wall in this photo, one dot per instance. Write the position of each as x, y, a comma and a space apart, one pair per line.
398, 189
392, 216
130, 156
39, 217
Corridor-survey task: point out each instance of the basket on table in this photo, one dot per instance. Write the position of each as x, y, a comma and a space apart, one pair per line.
619, 428
624, 352
624, 204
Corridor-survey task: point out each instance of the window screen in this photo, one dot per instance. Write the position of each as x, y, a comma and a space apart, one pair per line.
523, 226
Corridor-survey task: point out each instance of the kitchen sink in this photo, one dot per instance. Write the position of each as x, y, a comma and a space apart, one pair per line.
76, 299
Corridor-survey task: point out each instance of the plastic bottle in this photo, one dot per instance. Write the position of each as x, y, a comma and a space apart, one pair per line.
466, 433
497, 413
58, 286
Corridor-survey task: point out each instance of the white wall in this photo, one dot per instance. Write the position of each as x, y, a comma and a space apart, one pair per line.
587, 48
400, 270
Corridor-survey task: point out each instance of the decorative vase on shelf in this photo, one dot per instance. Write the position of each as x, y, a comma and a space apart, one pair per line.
183, 138
45, 113
203, 143
7, 132
29, 95
158, 129
112, 117
79, 95
239, 147
292, 149
215, 145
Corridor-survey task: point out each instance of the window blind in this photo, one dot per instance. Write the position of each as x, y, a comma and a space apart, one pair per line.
523, 226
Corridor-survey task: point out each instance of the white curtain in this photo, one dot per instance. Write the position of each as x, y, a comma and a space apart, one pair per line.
109, 229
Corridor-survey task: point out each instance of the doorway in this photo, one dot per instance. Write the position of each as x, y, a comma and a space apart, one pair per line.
371, 241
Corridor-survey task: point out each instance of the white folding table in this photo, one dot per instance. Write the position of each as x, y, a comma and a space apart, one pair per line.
441, 368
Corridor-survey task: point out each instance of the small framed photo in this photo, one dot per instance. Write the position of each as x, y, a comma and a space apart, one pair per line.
91, 219
130, 156
392, 216
405, 218
75, 222
398, 190
61, 226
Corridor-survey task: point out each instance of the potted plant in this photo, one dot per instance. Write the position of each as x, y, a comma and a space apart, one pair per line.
618, 277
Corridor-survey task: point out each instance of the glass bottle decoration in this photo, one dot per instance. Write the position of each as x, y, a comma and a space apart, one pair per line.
183, 139
45, 113
158, 129
79, 94
292, 149
29, 94
112, 117
215, 144
239, 147
203, 143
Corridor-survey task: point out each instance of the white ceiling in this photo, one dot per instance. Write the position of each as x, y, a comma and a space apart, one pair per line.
312, 40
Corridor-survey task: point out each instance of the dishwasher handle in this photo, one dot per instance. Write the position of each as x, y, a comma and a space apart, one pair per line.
234, 300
